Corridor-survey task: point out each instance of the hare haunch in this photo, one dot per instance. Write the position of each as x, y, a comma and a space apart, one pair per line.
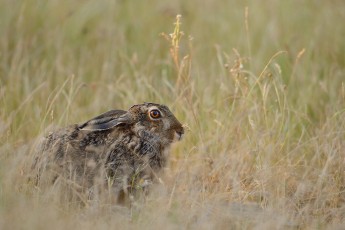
124, 149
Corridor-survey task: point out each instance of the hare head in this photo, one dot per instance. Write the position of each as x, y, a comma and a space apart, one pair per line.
147, 119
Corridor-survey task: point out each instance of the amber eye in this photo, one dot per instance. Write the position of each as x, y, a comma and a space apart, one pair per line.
155, 114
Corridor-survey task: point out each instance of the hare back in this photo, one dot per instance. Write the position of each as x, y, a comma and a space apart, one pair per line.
91, 158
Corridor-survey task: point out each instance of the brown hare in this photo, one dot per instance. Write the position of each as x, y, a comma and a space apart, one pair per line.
123, 150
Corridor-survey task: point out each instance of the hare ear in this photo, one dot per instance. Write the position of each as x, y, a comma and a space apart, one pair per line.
107, 121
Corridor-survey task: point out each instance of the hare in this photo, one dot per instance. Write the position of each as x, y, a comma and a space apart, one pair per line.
121, 149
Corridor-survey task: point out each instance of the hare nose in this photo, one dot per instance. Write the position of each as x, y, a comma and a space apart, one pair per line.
180, 134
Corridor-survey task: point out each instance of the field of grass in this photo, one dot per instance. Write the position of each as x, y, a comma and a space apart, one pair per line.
259, 84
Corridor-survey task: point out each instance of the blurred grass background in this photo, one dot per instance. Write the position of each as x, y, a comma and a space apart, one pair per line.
262, 93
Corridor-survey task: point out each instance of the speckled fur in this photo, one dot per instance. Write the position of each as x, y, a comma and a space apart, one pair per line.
120, 148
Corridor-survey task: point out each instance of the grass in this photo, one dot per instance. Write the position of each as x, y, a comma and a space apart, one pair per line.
259, 84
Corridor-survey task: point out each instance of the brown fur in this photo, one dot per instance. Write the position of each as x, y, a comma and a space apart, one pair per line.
121, 149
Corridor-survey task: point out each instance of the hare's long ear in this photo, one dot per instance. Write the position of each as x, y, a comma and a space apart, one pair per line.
107, 120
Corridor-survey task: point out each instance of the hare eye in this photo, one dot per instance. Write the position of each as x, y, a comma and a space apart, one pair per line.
155, 114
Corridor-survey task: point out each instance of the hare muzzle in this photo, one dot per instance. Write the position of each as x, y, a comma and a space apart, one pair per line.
178, 135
